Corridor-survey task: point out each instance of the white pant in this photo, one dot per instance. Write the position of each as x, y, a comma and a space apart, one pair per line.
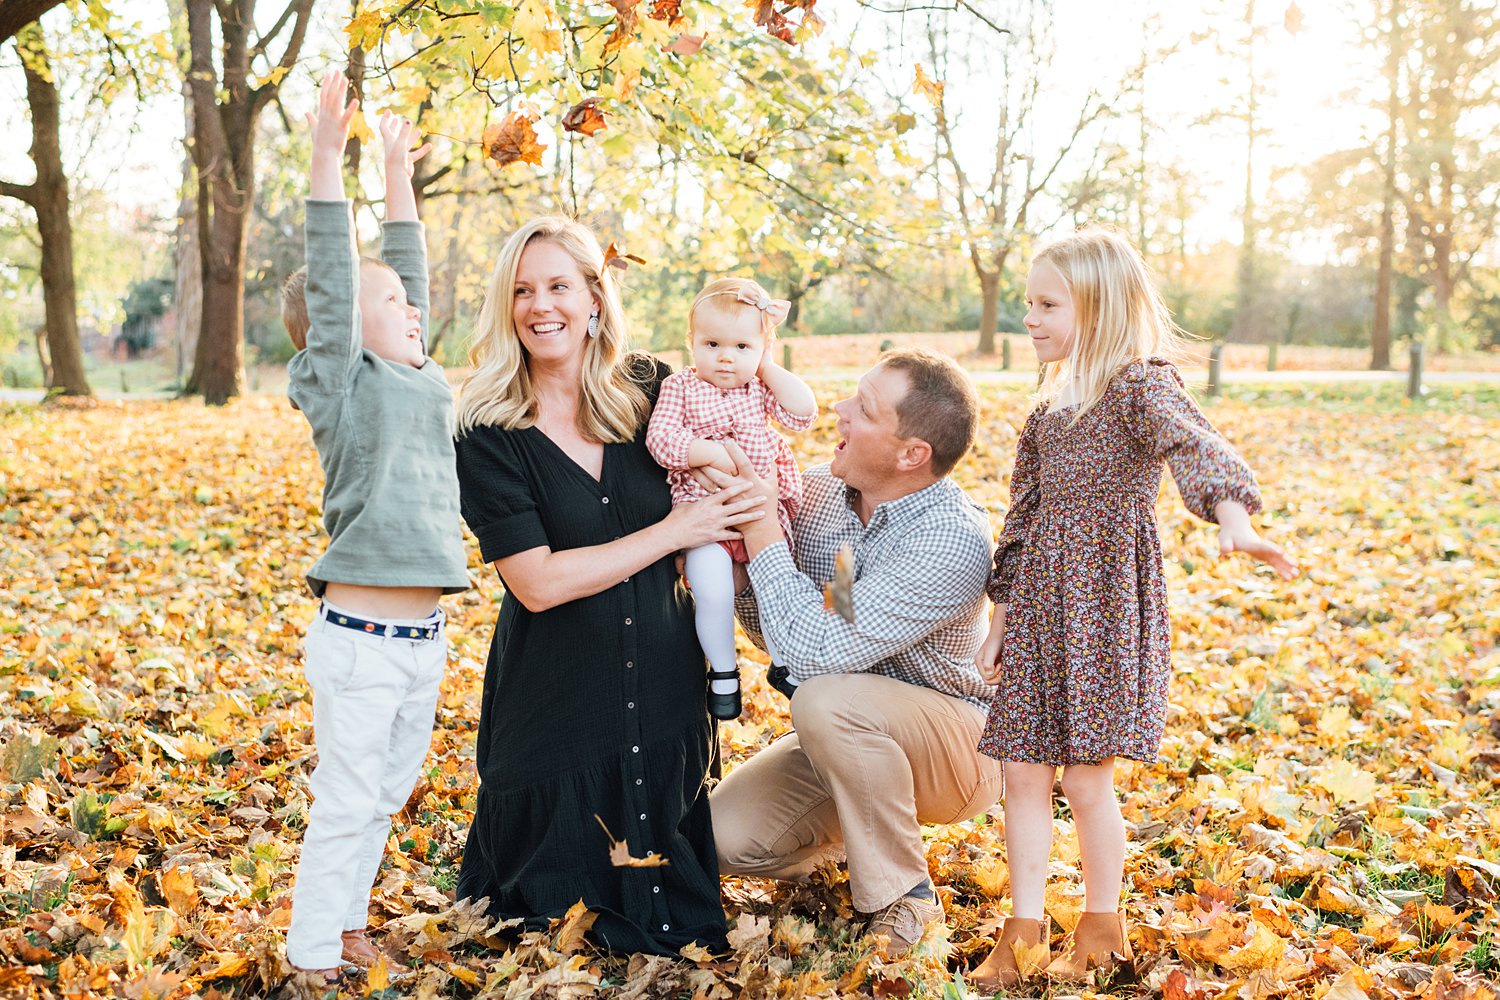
373, 704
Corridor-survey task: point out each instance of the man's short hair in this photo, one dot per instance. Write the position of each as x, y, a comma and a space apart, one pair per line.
294, 300
940, 405
294, 307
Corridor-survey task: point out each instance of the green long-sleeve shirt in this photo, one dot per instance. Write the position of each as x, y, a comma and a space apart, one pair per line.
384, 430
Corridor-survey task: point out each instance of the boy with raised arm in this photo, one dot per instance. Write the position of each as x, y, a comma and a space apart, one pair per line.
381, 413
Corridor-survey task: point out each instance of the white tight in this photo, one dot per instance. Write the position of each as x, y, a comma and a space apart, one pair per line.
710, 572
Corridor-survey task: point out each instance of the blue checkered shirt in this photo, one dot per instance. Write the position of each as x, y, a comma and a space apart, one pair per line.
920, 567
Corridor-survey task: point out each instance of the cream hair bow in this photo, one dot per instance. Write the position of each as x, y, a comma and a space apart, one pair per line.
775, 309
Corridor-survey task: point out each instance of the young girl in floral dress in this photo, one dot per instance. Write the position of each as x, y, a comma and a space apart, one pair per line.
1079, 643
732, 391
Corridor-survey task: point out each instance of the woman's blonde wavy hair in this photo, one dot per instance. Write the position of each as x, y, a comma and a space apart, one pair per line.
499, 392
1118, 314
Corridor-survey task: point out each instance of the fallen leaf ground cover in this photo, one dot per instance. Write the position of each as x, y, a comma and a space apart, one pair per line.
1322, 820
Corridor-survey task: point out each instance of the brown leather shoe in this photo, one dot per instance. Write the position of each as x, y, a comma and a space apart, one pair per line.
1002, 969
361, 951
904, 922
1098, 942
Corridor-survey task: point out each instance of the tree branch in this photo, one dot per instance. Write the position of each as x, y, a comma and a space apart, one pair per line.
17, 14
23, 192
955, 6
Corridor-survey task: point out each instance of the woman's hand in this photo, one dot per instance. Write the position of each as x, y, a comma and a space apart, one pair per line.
988, 657
715, 517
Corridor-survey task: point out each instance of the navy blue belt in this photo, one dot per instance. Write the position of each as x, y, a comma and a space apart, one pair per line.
380, 628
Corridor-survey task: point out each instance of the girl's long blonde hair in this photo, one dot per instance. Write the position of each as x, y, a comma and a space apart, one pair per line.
499, 391
1118, 314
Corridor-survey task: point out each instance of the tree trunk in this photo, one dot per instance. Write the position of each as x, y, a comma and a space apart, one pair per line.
219, 367
17, 14
48, 197
989, 309
189, 258
224, 115
353, 148
1380, 328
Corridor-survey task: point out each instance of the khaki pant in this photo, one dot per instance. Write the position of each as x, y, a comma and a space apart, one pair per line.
872, 758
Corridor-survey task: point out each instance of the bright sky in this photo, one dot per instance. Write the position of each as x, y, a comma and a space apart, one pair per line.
1307, 106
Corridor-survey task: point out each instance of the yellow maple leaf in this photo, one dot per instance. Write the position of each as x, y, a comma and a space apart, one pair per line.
1345, 781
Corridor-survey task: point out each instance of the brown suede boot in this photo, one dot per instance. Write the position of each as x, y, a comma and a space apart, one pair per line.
1094, 943
1001, 970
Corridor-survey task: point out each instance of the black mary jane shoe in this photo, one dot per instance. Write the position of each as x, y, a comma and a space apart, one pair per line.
724, 706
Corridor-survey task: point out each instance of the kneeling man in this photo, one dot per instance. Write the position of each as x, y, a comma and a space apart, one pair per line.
887, 711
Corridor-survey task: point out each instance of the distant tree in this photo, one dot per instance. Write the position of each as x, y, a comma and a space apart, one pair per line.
227, 103
1452, 184
48, 197
998, 206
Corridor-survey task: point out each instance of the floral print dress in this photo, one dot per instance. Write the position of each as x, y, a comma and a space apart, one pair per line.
1087, 650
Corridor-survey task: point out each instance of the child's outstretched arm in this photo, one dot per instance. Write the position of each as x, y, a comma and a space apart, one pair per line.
1213, 479
796, 406
403, 245
332, 258
397, 134
1237, 535
330, 133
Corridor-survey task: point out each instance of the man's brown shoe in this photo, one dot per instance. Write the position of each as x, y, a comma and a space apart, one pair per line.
1022, 951
904, 922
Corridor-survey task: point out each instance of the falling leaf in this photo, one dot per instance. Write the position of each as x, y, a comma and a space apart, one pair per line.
838, 593
514, 139
685, 45
620, 856
669, 11
614, 258
586, 117
1292, 19
624, 29
928, 88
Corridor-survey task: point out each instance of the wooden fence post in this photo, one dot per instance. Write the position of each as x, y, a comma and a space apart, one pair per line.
1215, 361
1271, 357
786, 355
1414, 371
1005, 354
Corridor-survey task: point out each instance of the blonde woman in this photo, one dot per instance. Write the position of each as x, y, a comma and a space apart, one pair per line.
593, 716
1079, 644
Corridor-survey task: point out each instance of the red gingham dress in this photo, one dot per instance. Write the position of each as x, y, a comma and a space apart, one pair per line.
1087, 651
690, 408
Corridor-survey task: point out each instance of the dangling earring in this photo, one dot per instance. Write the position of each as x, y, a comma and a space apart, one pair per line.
594, 325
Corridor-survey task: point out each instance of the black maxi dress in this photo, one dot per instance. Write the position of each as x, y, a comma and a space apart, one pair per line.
594, 708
